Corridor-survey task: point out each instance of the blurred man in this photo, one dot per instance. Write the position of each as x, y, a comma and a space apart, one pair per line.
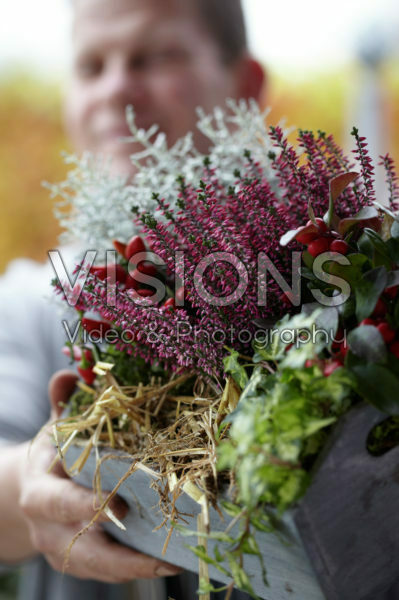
166, 57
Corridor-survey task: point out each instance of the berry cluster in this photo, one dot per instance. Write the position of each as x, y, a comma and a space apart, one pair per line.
379, 319
318, 239
133, 280
85, 359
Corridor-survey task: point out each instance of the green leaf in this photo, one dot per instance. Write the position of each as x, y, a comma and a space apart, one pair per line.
315, 425
231, 509
393, 249
202, 554
379, 386
220, 536
367, 343
351, 273
250, 546
237, 371
348, 308
311, 214
381, 250
307, 259
240, 577
326, 318
366, 246
392, 364
368, 290
205, 587
218, 555
393, 278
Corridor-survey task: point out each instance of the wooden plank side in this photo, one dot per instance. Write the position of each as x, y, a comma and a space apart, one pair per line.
290, 574
349, 518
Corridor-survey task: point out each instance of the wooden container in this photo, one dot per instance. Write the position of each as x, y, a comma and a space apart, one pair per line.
344, 534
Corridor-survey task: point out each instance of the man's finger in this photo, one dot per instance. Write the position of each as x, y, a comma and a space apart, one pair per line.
63, 501
61, 387
96, 556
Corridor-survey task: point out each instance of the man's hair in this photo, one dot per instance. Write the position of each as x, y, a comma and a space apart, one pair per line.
224, 20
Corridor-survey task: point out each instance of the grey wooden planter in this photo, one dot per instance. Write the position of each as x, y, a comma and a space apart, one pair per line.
344, 534
349, 518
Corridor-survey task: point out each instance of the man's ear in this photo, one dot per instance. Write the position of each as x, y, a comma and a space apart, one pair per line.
250, 78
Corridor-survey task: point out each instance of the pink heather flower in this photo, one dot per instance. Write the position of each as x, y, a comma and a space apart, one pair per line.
235, 223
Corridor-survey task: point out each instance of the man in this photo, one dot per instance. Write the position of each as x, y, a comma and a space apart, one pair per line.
166, 57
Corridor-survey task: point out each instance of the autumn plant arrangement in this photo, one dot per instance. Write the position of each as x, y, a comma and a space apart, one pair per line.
257, 304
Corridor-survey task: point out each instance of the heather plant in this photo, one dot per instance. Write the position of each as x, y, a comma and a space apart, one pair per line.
219, 237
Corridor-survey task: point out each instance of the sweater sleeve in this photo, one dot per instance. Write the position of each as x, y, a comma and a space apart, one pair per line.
31, 338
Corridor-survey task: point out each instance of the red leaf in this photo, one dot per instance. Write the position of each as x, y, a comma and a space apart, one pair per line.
302, 231
339, 183
366, 216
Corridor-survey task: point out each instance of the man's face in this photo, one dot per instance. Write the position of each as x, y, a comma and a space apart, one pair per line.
153, 54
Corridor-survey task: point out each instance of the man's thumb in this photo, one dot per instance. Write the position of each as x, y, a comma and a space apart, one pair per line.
60, 389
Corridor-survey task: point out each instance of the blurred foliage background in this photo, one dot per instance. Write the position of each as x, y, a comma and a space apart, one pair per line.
32, 139
30, 145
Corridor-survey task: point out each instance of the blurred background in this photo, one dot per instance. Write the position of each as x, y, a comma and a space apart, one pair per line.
330, 66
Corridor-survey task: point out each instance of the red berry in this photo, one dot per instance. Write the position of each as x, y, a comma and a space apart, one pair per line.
88, 354
321, 225
318, 246
339, 246
144, 293
116, 272
380, 309
131, 283
134, 281
100, 327
331, 367
387, 333
169, 303
394, 348
143, 296
367, 322
306, 237
392, 291
147, 268
87, 375
119, 247
134, 246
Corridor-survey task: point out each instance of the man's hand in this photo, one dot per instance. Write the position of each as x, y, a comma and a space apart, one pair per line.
56, 508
